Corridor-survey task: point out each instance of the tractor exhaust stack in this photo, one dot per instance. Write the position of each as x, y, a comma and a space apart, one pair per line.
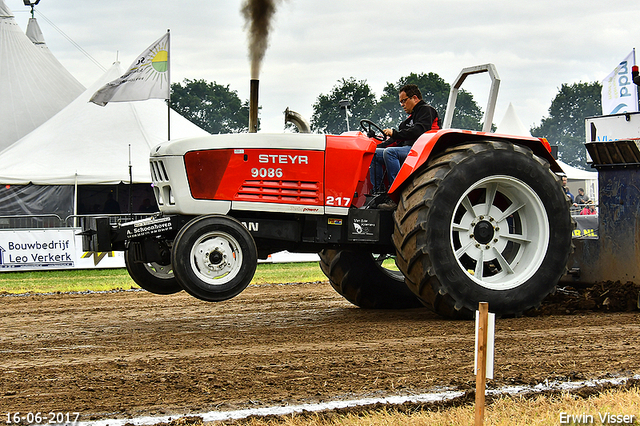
253, 106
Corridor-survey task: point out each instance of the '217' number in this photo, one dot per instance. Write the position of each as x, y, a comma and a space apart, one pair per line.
338, 201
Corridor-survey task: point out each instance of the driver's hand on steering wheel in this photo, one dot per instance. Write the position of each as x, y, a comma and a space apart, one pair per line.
388, 132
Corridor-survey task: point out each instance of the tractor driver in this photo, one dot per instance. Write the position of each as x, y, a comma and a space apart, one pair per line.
394, 151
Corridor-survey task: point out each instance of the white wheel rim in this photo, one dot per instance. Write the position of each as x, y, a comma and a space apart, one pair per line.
500, 232
216, 258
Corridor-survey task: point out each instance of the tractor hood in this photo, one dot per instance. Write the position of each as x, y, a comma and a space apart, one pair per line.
241, 141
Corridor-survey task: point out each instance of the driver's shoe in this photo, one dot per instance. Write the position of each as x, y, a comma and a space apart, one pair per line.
388, 204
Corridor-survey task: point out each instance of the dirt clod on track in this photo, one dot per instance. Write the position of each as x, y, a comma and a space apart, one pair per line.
126, 354
608, 296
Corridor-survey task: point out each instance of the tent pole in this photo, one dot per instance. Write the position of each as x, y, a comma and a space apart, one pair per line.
130, 182
75, 202
169, 88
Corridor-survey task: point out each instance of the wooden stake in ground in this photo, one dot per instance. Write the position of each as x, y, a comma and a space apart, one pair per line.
481, 360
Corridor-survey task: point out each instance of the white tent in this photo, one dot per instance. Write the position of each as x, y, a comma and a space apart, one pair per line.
34, 86
34, 33
89, 144
575, 173
511, 124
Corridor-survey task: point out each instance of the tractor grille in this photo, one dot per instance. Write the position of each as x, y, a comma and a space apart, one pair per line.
279, 191
158, 171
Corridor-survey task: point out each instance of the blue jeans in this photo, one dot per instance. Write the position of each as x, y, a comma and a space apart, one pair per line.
392, 157
376, 172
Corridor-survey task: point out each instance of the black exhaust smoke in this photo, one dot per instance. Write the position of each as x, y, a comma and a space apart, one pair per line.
258, 14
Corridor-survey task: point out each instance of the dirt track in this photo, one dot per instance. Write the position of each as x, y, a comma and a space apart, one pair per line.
126, 354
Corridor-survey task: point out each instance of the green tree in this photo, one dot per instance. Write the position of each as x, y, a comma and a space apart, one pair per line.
211, 106
327, 115
565, 125
435, 92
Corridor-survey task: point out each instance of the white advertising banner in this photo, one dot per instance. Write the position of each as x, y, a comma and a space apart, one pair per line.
42, 249
619, 94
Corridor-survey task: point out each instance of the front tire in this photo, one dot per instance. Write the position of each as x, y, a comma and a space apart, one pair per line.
483, 222
360, 277
214, 257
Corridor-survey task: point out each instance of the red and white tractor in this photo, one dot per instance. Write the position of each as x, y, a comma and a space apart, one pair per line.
481, 217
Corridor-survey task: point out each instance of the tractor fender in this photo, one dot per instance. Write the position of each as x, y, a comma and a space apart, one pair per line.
433, 142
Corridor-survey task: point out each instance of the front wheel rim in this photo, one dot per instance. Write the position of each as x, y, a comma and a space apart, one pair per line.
216, 258
393, 272
163, 272
499, 232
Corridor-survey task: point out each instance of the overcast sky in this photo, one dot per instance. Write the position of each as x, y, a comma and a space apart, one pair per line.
536, 45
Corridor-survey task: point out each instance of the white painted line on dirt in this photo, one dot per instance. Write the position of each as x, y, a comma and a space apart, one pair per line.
556, 385
280, 410
333, 405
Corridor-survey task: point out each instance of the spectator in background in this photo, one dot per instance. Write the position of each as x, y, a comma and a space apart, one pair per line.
581, 198
111, 205
589, 209
565, 188
146, 207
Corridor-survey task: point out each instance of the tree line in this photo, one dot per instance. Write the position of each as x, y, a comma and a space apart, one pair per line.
218, 109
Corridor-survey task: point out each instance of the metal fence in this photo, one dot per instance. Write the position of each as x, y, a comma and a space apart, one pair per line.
32, 221
46, 221
584, 209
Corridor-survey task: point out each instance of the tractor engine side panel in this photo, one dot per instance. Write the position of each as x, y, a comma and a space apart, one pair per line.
283, 176
348, 158
219, 173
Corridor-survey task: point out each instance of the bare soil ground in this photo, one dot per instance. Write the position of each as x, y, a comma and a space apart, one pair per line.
122, 354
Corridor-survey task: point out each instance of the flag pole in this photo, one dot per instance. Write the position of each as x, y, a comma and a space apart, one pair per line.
636, 89
169, 83
130, 182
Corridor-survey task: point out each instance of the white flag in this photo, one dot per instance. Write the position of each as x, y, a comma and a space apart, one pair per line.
619, 94
147, 77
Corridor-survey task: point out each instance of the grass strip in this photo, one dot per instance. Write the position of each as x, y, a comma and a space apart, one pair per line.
110, 279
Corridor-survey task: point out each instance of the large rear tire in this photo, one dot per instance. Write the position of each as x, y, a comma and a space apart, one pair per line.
153, 277
360, 277
214, 257
483, 222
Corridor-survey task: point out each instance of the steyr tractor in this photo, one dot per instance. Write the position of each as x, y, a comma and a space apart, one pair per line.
481, 217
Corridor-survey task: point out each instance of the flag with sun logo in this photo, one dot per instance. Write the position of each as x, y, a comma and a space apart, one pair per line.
147, 77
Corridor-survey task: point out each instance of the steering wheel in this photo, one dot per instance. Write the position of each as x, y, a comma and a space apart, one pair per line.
368, 126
